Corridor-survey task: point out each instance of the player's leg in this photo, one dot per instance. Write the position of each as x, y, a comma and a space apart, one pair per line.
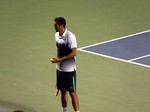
64, 100
72, 91
75, 101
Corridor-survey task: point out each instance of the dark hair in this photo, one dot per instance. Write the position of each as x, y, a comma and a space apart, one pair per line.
60, 21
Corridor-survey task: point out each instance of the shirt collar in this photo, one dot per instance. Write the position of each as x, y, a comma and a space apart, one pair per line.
64, 34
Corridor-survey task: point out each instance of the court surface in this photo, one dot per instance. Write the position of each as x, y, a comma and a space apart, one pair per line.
132, 48
27, 42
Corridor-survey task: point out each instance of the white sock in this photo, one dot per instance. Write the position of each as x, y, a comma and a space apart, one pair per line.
64, 109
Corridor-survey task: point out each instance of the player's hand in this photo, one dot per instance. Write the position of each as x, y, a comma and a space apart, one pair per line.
55, 60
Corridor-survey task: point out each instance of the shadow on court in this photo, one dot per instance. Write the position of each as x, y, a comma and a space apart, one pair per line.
6, 106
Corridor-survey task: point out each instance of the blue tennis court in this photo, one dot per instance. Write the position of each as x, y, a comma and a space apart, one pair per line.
132, 48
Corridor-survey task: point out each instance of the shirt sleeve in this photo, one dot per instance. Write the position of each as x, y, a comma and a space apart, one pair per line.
73, 42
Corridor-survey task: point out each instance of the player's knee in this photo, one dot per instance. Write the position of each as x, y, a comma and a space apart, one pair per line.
63, 91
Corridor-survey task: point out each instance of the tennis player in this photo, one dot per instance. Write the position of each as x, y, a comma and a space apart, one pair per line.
65, 64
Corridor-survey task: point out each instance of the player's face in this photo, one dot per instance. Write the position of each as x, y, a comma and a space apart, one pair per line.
56, 26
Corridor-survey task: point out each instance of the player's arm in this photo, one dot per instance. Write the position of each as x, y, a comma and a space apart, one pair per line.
69, 56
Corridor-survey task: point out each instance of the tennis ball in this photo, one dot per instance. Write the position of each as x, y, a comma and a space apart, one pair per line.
51, 59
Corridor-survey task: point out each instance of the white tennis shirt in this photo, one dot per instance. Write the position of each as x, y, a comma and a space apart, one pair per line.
65, 44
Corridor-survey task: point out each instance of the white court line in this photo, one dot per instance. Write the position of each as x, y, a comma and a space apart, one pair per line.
118, 59
139, 57
127, 36
128, 61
